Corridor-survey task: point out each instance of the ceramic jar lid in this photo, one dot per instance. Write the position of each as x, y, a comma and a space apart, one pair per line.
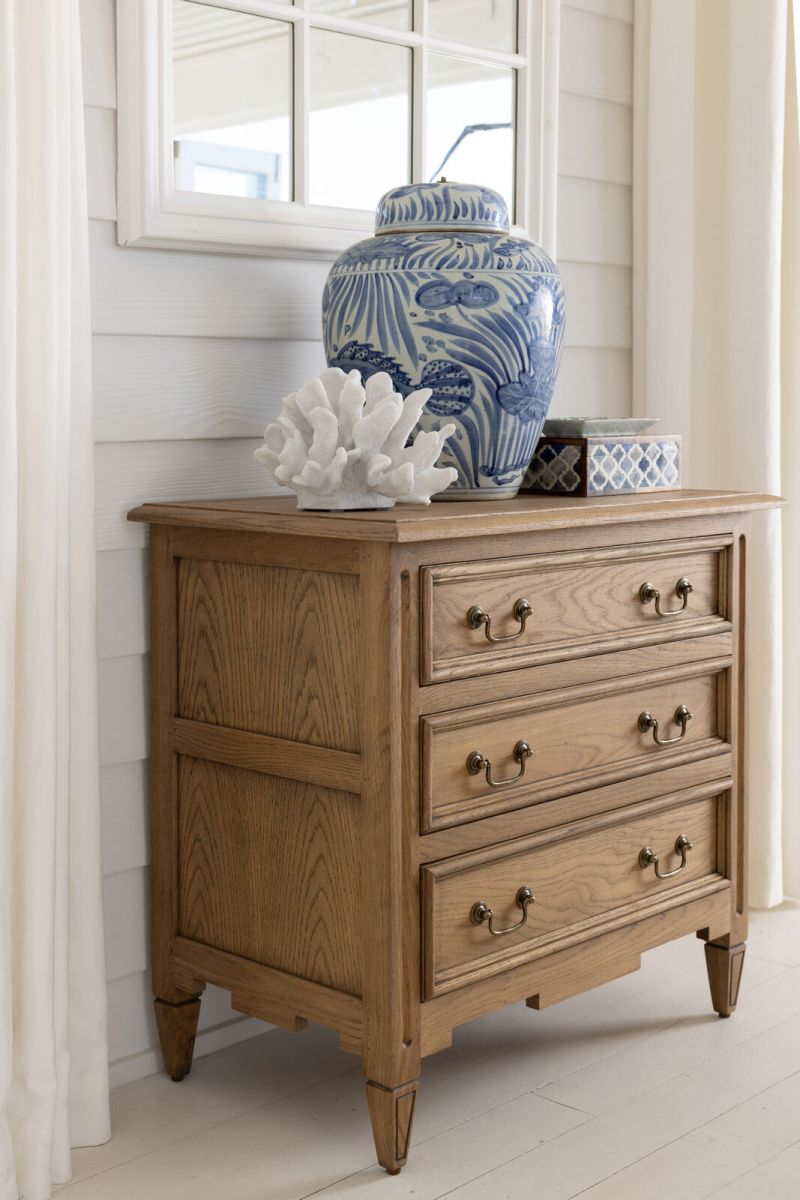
459, 207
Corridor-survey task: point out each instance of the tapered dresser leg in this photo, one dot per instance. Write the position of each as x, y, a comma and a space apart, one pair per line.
724, 966
391, 1111
177, 1030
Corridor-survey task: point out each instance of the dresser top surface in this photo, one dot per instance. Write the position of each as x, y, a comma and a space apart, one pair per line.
445, 520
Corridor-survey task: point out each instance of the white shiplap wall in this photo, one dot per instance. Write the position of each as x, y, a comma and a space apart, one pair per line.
192, 353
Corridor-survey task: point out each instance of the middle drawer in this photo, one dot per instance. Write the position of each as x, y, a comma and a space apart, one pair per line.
477, 762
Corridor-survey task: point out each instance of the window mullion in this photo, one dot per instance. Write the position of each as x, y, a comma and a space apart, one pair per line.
301, 93
419, 86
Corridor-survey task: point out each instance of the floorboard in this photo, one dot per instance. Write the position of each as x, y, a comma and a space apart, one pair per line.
633, 1089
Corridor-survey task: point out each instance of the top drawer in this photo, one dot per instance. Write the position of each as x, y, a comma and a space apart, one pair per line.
475, 617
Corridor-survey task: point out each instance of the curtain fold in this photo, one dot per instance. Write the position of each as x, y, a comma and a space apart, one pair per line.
716, 292
53, 1055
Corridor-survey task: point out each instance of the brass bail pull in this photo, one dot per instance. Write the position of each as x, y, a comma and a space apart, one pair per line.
648, 594
648, 857
477, 617
480, 912
477, 762
682, 717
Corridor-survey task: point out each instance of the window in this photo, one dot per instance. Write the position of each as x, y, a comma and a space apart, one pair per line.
275, 126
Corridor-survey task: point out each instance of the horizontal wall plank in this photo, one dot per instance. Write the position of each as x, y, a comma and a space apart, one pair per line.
595, 222
126, 906
153, 388
596, 56
123, 793
595, 139
593, 383
619, 10
101, 162
598, 301
122, 688
132, 1027
176, 292
130, 473
121, 602
99, 52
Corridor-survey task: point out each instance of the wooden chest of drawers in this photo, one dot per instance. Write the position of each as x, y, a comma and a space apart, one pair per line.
410, 766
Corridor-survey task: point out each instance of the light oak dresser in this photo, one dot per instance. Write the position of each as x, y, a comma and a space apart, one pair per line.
410, 766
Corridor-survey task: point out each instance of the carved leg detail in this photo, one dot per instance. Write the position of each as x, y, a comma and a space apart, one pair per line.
724, 966
177, 1029
391, 1111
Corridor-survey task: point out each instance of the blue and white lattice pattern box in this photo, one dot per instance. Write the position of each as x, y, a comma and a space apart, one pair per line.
604, 466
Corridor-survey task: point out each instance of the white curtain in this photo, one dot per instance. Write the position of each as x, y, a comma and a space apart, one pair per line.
717, 332
53, 1058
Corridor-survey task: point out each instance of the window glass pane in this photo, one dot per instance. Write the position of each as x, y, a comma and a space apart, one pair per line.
359, 120
232, 102
395, 13
488, 23
463, 96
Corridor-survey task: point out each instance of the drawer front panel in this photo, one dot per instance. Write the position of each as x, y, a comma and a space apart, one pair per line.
581, 877
474, 618
574, 742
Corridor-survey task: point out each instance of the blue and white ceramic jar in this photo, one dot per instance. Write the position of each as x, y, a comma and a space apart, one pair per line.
444, 297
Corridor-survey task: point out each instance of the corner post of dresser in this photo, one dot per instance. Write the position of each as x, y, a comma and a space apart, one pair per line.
391, 999
725, 954
177, 1003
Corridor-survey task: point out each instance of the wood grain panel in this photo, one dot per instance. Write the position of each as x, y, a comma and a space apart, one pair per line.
201, 295
149, 388
596, 381
579, 876
269, 650
595, 139
599, 301
275, 756
578, 600
263, 991
121, 603
576, 742
266, 871
128, 472
596, 56
595, 222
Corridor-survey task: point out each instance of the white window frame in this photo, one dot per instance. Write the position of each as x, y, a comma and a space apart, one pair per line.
150, 212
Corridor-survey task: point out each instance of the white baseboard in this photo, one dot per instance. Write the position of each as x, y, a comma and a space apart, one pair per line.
148, 1062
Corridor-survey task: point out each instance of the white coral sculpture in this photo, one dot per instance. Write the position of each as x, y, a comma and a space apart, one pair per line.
341, 445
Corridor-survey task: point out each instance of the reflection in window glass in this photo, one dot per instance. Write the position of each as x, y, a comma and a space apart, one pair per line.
359, 124
395, 13
232, 102
491, 24
462, 97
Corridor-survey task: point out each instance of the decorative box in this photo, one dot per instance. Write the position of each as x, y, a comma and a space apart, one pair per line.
604, 466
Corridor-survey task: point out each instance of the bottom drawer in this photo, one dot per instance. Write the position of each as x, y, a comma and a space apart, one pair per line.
492, 909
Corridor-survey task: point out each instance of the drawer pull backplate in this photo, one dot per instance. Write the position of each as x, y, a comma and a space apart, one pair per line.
478, 762
480, 912
648, 721
648, 593
477, 617
648, 857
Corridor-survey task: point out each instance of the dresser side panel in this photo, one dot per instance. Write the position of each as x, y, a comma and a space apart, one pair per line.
266, 871
270, 650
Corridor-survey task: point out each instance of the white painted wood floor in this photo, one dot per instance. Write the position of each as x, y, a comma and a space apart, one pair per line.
636, 1089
